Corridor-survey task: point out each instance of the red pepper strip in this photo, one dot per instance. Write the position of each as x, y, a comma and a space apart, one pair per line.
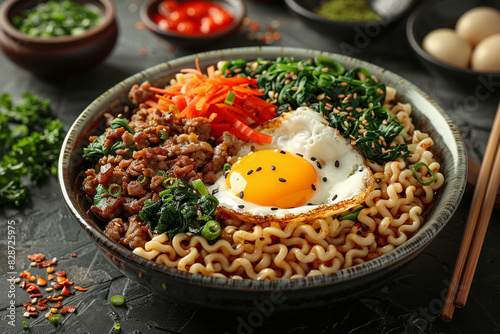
245, 130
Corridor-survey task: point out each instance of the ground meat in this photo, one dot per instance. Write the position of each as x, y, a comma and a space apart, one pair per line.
139, 94
111, 208
132, 233
90, 182
198, 125
136, 235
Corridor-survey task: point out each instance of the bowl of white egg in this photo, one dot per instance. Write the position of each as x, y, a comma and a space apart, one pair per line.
459, 40
323, 202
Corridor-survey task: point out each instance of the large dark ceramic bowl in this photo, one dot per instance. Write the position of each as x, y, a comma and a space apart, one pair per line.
235, 7
389, 11
58, 58
239, 295
445, 14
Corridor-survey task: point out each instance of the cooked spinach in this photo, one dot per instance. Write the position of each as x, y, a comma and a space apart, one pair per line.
343, 97
96, 149
180, 209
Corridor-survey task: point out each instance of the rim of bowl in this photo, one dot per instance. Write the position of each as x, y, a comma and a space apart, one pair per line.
414, 244
292, 4
108, 19
417, 47
237, 8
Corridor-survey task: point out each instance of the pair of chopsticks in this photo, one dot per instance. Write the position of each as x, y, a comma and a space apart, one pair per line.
482, 205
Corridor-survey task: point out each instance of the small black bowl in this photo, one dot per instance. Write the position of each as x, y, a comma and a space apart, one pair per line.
389, 10
445, 14
236, 7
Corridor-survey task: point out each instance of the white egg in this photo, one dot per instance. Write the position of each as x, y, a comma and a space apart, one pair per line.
447, 46
478, 23
308, 171
486, 55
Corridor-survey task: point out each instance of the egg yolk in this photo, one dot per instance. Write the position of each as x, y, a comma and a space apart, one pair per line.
273, 178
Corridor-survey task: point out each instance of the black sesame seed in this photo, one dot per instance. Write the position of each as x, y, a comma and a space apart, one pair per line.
334, 197
241, 194
274, 208
210, 183
337, 163
319, 165
250, 172
313, 158
241, 206
378, 188
300, 155
313, 187
234, 246
325, 179
282, 152
273, 167
215, 191
258, 169
310, 204
282, 179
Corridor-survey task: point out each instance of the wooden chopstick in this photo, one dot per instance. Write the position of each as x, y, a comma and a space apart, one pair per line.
472, 220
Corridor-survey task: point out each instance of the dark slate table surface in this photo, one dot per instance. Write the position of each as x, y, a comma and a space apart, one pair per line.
409, 303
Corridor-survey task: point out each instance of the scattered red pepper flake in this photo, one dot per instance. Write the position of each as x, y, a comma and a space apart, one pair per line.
68, 309
35, 295
57, 305
33, 313
32, 288
42, 307
60, 274
46, 263
66, 291
25, 305
73, 255
50, 277
25, 274
79, 288
42, 301
22, 285
56, 285
56, 298
41, 281
36, 257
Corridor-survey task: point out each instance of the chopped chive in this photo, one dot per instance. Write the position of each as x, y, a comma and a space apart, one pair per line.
230, 98
198, 185
117, 300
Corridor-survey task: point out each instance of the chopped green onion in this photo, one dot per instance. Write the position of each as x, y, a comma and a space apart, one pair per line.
171, 110
161, 173
117, 300
211, 230
163, 135
26, 324
226, 167
164, 192
415, 168
54, 318
352, 215
230, 98
171, 180
141, 179
117, 328
198, 185
115, 190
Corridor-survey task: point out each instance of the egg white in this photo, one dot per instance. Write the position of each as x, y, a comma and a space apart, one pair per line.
344, 179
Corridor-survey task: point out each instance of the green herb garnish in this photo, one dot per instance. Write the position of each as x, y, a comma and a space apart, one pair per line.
117, 300
30, 142
415, 173
56, 18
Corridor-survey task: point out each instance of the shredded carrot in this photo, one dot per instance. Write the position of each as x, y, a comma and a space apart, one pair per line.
204, 95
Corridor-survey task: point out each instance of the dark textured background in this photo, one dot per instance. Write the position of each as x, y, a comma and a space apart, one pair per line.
409, 303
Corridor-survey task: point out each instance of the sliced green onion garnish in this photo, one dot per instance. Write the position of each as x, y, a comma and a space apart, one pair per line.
211, 230
226, 167
26, 324
117, 300
115, 190
230, 98
352, 215
141, 179
117, 328
198, 185
415, 168
170, 182
54, 318
163, 135
164, 192
171, 110
161, 173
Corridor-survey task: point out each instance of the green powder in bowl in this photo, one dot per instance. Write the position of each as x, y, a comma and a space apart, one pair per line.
347, 10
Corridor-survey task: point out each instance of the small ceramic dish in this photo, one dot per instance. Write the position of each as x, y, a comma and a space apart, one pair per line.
445, 14
56, 58
236, 8
207, 292
389, 11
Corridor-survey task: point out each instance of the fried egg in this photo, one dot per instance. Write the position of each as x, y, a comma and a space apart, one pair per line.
308, 171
